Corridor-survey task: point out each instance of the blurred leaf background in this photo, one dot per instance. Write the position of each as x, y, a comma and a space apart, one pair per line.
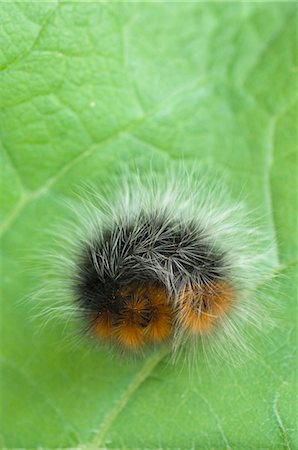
86, 88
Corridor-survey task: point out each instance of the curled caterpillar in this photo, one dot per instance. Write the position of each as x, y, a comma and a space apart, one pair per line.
150, 273
160, 262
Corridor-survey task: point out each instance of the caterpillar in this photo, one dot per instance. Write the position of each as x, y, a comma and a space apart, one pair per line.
160, 260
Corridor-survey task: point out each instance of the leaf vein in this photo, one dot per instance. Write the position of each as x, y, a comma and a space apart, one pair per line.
120, 405
279, 422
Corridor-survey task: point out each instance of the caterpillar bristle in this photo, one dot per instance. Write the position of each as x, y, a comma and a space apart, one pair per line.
153, 263
143, 315
200, 307
159, 328
134, 316
103, 325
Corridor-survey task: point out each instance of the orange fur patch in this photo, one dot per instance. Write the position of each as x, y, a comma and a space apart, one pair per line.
159, 328
131, 335
146, 316
134, 317
201, 306
103, 325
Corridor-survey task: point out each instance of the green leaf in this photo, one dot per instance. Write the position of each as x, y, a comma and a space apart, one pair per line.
86, 88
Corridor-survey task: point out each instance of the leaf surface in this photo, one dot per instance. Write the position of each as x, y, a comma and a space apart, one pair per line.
86, 88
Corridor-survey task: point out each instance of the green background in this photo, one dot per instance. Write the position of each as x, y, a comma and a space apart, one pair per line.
86, 88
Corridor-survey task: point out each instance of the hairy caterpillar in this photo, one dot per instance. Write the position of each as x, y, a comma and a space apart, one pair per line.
160, 261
